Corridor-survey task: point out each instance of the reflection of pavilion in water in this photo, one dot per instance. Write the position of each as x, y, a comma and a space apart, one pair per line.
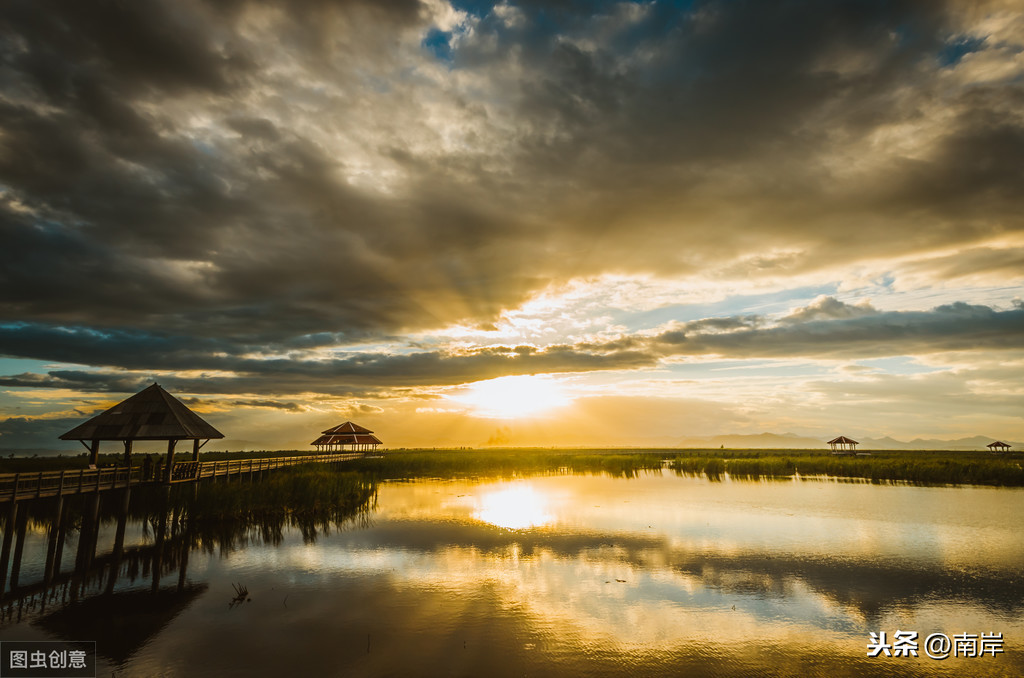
99, 597
65, 602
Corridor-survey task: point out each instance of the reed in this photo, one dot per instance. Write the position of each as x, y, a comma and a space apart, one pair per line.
506, 463
926, 468
929, 468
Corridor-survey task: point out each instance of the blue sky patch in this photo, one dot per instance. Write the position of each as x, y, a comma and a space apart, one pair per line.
760, 304
438, 43
958, 48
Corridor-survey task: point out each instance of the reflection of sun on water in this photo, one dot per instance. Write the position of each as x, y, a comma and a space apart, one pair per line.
512, 397
514, 508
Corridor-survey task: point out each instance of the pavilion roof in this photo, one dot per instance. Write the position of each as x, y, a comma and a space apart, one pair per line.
843, 440
347, 427
998, 443
150, 414
348, 439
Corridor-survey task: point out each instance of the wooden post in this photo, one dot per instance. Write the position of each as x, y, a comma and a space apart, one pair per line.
19, 549
94, 453
195, 450
5, 551
170, 460
128, 453
61, 532
87, 536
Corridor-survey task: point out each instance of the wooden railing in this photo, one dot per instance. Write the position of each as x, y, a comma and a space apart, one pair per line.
17, 486
197, 470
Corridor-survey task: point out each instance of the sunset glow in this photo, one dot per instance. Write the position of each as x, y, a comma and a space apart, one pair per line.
513, 397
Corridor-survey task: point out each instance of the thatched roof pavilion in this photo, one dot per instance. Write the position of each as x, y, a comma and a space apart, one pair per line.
150, 414
354, 435
998, 446
843, 445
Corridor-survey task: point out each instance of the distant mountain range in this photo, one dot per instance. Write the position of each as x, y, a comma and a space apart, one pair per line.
792, 441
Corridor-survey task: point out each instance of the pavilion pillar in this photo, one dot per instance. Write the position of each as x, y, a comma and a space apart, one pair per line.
128, 453
195, 450
170, 459
94, 453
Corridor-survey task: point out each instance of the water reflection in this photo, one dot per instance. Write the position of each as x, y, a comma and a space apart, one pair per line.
515, 507
570, 575
99, 595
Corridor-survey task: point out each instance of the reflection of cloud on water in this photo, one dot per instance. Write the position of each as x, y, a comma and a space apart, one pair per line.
636, 591
713, 582
653, 570
815, 555
942, 527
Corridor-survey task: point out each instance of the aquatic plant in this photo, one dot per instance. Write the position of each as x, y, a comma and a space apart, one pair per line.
929, 468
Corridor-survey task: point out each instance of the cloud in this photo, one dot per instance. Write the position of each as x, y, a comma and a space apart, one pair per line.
828, 308
76, 379
248, 172
269, 198
272, 404
829, 329
826, 329
42, 434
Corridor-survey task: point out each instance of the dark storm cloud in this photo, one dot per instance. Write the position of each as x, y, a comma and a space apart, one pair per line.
184, 185
757, 104
77, 379
41, 434
121, 348
830, 329
827, 329
270, 404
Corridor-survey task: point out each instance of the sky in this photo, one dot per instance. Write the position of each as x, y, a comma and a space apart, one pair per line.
517, 223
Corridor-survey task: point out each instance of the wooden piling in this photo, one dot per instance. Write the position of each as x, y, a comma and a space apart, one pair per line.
5, 551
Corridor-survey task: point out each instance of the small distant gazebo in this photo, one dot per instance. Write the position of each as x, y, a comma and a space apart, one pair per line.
358, 439
998, 446
843, 445
150, 414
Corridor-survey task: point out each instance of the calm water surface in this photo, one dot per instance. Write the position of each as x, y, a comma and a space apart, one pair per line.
570, 575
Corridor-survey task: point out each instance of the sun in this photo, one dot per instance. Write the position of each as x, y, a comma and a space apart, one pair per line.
513, 397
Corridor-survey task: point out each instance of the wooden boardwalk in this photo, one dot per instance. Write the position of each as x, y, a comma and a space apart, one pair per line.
18, 486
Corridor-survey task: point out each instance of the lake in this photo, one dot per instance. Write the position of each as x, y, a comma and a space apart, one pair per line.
568, 575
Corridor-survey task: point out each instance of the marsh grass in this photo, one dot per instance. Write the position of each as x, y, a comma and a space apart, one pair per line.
314, 498
506, 463
924, 468
921, 467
